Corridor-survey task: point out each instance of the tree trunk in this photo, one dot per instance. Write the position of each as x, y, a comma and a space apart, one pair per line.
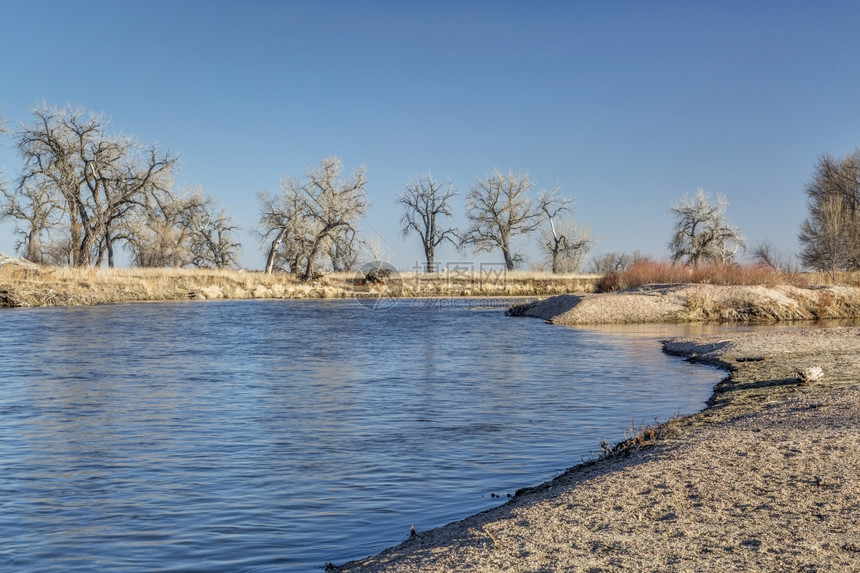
430, 256
34, 249
85, 250
309, 266
75, 236
509, 262
109, 246
273, 251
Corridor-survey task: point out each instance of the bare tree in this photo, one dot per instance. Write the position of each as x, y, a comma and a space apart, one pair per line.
58, 251
702, 233
830, 235
826, 244
344, 250
314, 216
614, 262
334, 206
499, 210
212, 236
99, 177
767, 255
566, 243
281, 226
35, 210
155, 235
180, 230
424, 200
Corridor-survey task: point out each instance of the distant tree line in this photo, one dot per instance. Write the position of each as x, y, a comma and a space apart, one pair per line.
311, 225
85, 190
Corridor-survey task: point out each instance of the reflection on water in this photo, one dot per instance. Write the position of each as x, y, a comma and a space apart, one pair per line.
278, 435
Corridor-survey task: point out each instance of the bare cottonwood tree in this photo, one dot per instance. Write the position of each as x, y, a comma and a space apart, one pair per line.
313, 216
425, 201
280, 226
35, 210
98, 176
156, 234
830, 235
212, 236
566, 243
334, 206
614, 262
702, 233
767, 255
182, 230
344, 250
826, 237
499, 210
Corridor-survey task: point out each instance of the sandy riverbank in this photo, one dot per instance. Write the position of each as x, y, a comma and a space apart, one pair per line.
766, 479
697, 303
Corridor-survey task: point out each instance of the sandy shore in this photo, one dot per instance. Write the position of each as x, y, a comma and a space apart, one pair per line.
697, 303
766, 479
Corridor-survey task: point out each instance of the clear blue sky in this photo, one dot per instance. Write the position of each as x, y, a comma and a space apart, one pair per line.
644, 101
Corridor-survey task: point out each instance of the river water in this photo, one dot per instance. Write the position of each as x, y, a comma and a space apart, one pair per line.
281, 435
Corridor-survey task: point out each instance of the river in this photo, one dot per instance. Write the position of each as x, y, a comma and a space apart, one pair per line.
281, 435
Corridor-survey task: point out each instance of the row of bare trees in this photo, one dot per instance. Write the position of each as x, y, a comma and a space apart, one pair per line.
85, 190
319, 215
498, 210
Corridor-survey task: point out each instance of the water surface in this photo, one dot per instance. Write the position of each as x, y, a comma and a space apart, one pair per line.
279, 435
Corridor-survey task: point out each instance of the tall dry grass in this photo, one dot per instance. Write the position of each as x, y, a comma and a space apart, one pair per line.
648, 272
54, 286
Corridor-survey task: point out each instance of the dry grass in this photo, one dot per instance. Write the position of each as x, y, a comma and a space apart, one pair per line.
641, 436
779, 304
56, 286
647, 272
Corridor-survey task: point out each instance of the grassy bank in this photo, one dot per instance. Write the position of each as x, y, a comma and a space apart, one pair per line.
62, 286
660, 292
680, 303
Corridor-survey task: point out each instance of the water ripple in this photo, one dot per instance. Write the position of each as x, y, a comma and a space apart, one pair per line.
278, 435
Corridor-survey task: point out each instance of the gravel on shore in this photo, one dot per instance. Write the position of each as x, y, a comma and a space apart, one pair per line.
767, 478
